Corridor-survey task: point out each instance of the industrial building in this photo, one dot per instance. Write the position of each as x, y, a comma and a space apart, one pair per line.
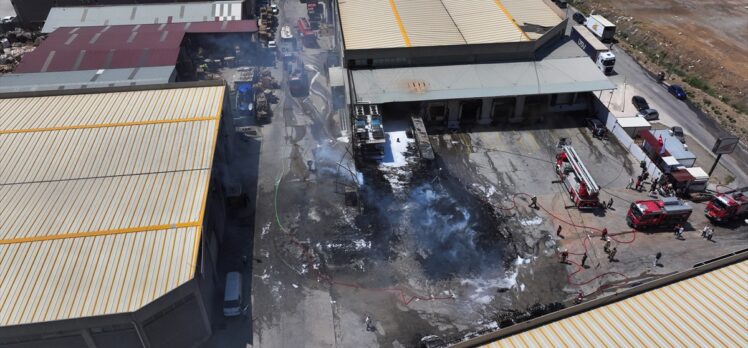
33, 13
134, 54
703, 307
133, 14
465, 62
113, 215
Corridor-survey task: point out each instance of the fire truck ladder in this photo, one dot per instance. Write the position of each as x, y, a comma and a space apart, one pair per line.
580, 170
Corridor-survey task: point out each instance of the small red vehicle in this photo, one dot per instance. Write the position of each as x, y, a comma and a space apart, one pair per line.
667, 212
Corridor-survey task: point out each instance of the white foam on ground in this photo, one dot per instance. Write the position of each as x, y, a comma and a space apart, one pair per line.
531, 222
314, 215
394, 151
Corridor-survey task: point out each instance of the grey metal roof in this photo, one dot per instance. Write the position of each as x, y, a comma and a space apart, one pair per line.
86, 79
142, 14
548, 76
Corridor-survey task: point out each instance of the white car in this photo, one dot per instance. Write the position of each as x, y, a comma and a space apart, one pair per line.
272, 44
274, 8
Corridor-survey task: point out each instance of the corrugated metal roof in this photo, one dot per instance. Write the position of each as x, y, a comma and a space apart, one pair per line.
142, 14
94, 186
709, 310
368, 24
119, 46
532, 16
371, 24
548, 76
86, 79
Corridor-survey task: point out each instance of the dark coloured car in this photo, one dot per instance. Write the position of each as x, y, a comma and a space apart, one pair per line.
649, 114
597, 127
678, 133
561, 3
639, 103
677, 91
579, 18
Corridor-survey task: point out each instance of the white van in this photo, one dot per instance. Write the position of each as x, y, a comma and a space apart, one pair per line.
232, 298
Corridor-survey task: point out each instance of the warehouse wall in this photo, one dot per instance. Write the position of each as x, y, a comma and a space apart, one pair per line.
177, 319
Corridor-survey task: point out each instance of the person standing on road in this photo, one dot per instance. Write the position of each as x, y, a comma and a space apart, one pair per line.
584, 259
564, 256
653, 188
704, 231
658, 256
606, 247
558, 231
710, 234
604, 234
610, 203
638, 183
534, 202
631, 183
612, 255
680, 232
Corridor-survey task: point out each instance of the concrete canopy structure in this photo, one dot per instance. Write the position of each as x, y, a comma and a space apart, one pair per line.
90, 16
121, 46
569, 75
709, 310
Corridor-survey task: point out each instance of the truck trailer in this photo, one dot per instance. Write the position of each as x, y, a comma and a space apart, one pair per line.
600, 54
601, 27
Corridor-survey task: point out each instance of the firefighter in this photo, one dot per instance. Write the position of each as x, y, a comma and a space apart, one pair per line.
558, 231
631, 183
564, 256
710, 234
658, 256
610, 203
606, 247
584, 259
612, 254
638, 183
604, 234
653, 188
534, 202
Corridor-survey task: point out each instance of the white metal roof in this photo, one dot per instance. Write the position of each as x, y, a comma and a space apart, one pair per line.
602, 20
567, 75
369, 24
60, 17
96, 186
77, 79
631, 122
709, 310
697, 173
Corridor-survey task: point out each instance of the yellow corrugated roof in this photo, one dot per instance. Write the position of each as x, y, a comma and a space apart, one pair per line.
102, 199
371, 24
709, 310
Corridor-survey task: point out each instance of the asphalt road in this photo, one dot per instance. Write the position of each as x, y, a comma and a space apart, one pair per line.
632, 78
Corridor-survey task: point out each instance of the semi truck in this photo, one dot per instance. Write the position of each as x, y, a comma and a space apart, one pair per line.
601, 27
727, 206
600, 54
657, 213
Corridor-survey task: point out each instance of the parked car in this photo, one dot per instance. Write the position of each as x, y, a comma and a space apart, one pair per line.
579, 18
561, 3
597, 127
639, 103
649, 114
274, 8
677, 91
678, 133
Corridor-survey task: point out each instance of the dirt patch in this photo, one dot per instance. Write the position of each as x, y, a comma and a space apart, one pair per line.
701, 44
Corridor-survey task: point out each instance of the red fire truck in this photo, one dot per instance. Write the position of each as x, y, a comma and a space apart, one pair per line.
582, 188
727, 206
669, 211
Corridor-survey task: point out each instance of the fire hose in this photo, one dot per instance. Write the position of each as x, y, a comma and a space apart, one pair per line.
401, 293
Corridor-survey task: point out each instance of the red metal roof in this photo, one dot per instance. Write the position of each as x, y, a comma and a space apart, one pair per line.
119, 46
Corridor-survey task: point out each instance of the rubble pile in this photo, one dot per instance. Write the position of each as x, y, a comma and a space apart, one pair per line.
15, 43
